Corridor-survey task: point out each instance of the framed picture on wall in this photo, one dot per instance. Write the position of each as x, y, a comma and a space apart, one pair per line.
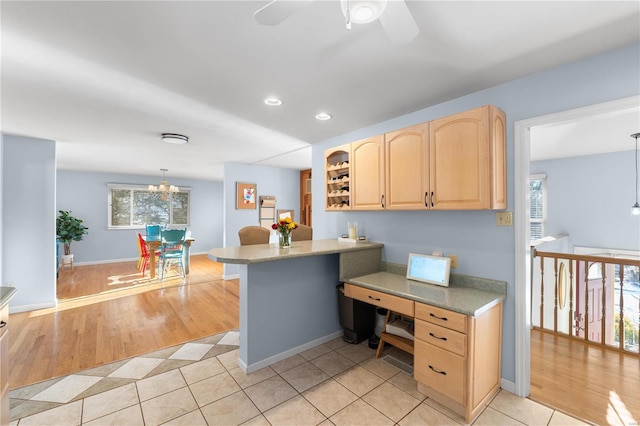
246, 196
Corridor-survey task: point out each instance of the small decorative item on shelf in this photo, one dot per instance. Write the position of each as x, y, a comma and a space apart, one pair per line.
284, 227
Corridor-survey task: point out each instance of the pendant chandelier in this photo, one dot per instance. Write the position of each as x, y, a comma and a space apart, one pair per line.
164, 188
635, 209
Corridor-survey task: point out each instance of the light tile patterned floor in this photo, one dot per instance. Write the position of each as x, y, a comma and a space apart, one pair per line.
199, 383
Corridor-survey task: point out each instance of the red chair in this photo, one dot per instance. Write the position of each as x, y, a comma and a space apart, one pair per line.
143, 261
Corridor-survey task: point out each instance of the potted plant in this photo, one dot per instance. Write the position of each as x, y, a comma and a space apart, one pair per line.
69, 228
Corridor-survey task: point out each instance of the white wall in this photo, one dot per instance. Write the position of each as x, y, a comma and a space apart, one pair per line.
29, 233
484, 249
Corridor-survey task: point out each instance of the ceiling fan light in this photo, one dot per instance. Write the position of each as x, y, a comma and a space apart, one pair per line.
363, 11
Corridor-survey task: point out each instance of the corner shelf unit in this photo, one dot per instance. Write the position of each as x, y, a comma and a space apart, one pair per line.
337, 177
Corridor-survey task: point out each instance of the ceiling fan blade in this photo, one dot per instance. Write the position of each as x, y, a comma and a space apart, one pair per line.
276, 11
398, 22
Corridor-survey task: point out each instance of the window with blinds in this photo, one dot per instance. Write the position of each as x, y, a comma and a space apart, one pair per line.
537, 208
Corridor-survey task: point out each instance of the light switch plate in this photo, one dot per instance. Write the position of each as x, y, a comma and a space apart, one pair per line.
504, 218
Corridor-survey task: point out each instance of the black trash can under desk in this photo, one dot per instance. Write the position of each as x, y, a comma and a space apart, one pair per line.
356, 318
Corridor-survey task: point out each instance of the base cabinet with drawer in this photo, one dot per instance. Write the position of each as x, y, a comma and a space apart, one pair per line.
457, 358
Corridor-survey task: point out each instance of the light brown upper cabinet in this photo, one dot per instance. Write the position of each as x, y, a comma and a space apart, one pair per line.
467, 162
456, 162
367, 169
337, 177
407, 168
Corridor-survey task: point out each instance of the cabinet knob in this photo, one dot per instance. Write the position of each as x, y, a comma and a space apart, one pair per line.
2, 324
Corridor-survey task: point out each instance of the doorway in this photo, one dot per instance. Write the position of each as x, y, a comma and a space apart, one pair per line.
522, 148
305, 197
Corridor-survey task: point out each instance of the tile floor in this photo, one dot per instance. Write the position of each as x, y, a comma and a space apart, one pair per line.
199, 383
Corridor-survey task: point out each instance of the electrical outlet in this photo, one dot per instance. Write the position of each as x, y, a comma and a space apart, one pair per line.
454, 260
504, 218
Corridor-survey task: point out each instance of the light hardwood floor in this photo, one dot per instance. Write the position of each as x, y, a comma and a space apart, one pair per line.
596, 384
94, 330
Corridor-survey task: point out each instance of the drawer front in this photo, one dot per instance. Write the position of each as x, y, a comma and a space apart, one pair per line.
441, 337
442, 317
440, 370
383, 300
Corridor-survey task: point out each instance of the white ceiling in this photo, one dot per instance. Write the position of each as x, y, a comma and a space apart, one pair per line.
105, 79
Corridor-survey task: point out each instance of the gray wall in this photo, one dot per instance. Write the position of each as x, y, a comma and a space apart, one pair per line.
484, 249
589, 198
29, 234
85, 194
284, 184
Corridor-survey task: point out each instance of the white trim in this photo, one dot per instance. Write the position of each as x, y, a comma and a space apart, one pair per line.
538, 176
33, 307
231, 277
508, 385
286, 354
522, 143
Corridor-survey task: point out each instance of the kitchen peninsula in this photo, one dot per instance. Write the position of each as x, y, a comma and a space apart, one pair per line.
288, 297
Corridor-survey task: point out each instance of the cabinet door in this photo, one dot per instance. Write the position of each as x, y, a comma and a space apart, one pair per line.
407, 168
459, 163
367, 168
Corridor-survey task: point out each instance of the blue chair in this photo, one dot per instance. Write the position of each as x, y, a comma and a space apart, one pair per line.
153, 231
171, 249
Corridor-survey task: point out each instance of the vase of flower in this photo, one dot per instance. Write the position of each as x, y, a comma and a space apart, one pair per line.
284, 227
284, 238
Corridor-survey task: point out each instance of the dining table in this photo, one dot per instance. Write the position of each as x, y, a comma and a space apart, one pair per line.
154, 242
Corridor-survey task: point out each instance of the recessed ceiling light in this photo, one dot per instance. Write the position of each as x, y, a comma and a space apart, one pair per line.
323, 116
175, 138
273, 102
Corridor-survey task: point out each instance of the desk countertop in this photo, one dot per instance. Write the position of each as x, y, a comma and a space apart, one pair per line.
271, 252
463, 299
6, 293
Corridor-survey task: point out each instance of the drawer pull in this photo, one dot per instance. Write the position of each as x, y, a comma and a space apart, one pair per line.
438, 371
436, 337
373, 298
437, 317
2, 324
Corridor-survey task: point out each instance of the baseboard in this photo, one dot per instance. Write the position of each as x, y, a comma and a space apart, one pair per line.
33, 307
130, 259
286, 354
231, 277
508, 385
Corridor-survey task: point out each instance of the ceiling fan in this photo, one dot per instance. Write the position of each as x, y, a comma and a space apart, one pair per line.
394, 15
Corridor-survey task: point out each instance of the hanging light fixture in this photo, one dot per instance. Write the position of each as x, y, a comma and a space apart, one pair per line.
635, 209
164, 188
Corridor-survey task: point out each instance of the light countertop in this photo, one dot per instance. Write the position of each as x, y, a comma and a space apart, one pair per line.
272, 252
6, 293
457, 298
